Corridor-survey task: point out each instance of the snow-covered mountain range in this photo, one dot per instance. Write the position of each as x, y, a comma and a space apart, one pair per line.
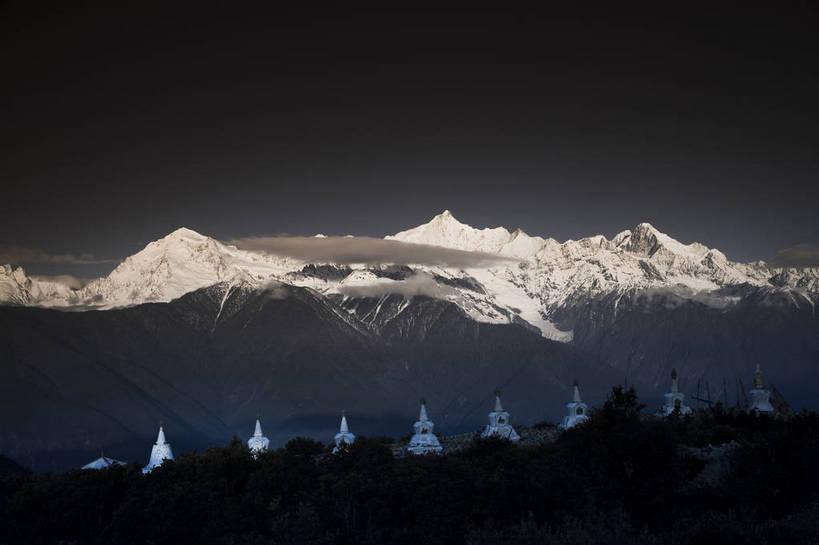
538, 280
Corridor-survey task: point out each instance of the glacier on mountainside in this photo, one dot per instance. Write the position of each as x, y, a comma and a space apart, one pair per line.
540, 277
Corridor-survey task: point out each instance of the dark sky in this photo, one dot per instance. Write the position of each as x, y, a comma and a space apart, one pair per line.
119, 125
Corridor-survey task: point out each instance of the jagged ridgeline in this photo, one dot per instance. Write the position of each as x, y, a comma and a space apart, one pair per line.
204, 335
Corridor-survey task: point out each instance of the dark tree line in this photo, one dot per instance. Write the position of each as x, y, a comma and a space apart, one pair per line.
620, 478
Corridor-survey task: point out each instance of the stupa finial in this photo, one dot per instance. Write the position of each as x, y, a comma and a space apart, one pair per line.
758, 378
422, 415
160, 437
576, 394
498, 406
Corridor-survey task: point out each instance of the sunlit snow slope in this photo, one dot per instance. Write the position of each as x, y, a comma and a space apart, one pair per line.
539, 278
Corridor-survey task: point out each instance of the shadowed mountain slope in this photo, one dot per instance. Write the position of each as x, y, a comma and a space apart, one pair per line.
206, 363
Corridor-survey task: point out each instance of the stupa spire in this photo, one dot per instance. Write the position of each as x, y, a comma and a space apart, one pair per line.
576, 393
424, 440
499, 425
160, 451
422, 415
343, 438
258, 442
760, 396
758, 377
576, 409
674, 400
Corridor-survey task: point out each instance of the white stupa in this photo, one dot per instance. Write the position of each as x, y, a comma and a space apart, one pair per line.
674, 399
424, 441
103, 462
499, 425
343, 438
577, 411
760, 396
160, 452
258, 442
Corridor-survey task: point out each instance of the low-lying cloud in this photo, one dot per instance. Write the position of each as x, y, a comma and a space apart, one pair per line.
799, 256
277, 290
19, 255
73, 282
673, 297
375, 251
417, 284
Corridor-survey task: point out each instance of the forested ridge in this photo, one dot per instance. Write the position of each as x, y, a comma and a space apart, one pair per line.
619, 478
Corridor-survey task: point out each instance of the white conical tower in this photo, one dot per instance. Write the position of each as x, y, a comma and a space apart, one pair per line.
760, 396
674, 400
424, 440
160, 452
343, 438
258, 442
499, 425
577, 410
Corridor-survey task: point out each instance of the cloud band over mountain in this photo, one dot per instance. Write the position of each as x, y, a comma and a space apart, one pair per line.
418, 284
801, 255
349, 250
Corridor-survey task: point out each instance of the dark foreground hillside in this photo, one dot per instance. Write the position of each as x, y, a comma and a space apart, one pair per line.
75, 383
619, 479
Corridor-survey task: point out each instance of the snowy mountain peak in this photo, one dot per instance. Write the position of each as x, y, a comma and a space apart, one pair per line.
643, 239
16, 288
184, 232
176, 264
445, 221
646, 227
14, 285
445, 230
646, 240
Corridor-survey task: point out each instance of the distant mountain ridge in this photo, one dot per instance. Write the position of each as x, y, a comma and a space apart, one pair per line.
541, 279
